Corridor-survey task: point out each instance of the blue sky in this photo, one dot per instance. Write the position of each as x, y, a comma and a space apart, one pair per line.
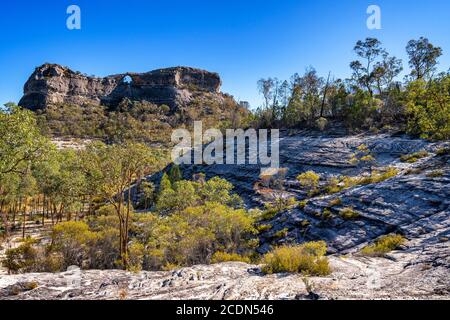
243, 40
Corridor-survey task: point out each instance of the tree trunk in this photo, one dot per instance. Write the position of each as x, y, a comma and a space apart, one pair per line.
24, 218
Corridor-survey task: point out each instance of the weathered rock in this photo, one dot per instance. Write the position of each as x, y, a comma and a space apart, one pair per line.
55, 84
412, 203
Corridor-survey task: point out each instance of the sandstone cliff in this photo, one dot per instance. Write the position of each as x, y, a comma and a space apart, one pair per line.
55, 84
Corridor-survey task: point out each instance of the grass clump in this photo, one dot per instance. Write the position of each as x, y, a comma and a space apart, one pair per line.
309, 182
326, 214
308, 258
219, 257
264, 228
435, 174
414, 157
335, 202
349, 214
383, 245
443, 152
281, 234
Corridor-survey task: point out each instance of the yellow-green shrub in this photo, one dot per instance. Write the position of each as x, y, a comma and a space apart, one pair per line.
348, 213
414, 157
383, 245
219, 257
306, 258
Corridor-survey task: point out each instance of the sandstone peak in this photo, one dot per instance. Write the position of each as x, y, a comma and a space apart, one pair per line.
56, 84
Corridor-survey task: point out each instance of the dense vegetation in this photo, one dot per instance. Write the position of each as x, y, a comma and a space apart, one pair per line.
84, 198
138, 120
101, 212
371, 99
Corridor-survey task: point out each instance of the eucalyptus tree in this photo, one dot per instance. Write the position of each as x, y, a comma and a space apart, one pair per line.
21, 145
113, 170
423, 56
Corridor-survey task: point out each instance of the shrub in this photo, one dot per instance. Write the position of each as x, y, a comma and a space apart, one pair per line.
326, 214
24, 258
428, 108
264, 227
305, 223
348, 213
219, 257
308, 258
189, 237
309, 181
383, 245
335, 202
443, 151
72, 239
321, 123
332, 186
414, 157
384, 174
135, 256
435, 174
302, 204
281, 233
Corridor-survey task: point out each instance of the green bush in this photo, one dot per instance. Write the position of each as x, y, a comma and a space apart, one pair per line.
414, 157
383, 245
443, 152
309, 181
264, 228
335, 202
348, 213
435, 174
24, 258
326, 214
281, 233
308, 258
219, 257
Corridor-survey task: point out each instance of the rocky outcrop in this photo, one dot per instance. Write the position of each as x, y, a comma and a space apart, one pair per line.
413, 203
419, 271
55, 84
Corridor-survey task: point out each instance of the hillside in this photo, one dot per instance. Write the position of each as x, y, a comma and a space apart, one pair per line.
137, 106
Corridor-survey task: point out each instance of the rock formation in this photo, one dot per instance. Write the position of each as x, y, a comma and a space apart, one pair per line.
412, 203
55, 84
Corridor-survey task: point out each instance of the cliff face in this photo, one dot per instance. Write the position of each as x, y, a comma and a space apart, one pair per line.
55, 84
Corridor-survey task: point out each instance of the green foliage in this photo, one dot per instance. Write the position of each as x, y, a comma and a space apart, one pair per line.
193, 235
302, 204
21, 259
281, 233
435, 174
307, 259
185, 194
349, 214
175, 173
219, 257
264, 227
72, 239
383, 245
326, 214
165, 183
443, 152
309, 181
335, 202
414, 157
428, 107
